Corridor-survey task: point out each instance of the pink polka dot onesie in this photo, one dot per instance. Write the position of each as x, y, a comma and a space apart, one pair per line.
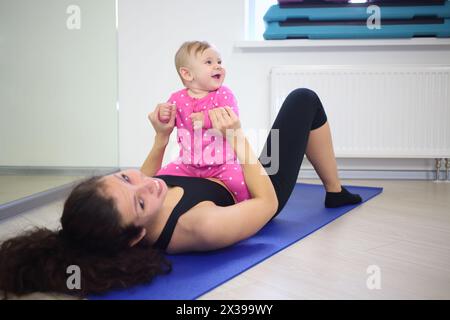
204, 154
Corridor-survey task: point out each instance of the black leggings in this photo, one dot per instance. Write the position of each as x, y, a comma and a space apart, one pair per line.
300, 113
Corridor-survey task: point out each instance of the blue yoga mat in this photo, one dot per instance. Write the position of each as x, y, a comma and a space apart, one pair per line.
194, 274
276, 13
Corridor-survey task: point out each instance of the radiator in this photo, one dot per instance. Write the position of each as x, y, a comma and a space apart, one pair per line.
381, 111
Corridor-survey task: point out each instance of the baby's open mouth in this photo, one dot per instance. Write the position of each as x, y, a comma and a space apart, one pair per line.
217, 76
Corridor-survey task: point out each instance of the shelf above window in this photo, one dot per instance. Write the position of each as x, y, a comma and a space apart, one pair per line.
336, 43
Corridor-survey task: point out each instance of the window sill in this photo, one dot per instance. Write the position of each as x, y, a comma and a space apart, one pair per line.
341, 43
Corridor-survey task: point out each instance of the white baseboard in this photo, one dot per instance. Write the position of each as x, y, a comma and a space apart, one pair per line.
379, 174
61, 171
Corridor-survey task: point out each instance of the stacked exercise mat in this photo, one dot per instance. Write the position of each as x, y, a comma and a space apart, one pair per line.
347, 19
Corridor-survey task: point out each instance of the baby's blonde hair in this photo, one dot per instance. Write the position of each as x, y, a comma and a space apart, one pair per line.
188, 49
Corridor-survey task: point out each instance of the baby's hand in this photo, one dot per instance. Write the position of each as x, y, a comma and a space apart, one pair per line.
197, 120
164, 113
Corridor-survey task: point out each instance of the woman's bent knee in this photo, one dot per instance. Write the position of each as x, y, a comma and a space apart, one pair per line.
303, 99
300, 94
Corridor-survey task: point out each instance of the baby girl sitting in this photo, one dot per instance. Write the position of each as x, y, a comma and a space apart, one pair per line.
200, 68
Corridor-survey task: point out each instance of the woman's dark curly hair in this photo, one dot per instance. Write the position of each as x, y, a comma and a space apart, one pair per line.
92, 237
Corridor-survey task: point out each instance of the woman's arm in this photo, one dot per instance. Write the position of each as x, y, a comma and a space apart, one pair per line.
163, 130
225, 226
258, 182
154, 159
256, 178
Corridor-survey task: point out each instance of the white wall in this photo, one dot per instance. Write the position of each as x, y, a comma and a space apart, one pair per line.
58, 87
150, 32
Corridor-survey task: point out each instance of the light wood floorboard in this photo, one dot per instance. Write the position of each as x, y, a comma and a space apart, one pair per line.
405, 231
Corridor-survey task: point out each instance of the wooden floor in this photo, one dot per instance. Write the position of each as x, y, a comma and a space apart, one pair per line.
13, 187
404, 233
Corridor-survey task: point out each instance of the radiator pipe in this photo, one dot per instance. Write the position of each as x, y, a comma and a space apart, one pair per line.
438, 168
447, 167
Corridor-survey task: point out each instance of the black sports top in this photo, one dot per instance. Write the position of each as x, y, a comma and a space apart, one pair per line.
196, 190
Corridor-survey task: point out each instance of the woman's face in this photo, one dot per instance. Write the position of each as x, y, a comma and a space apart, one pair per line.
138, 197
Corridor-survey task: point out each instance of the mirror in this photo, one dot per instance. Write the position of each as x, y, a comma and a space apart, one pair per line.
58, 94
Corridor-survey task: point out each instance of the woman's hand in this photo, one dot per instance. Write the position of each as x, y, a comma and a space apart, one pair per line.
224, 120
197, 120
161, 128
164, 112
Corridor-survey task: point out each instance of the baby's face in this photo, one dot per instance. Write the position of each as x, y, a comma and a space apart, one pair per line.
207, 70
